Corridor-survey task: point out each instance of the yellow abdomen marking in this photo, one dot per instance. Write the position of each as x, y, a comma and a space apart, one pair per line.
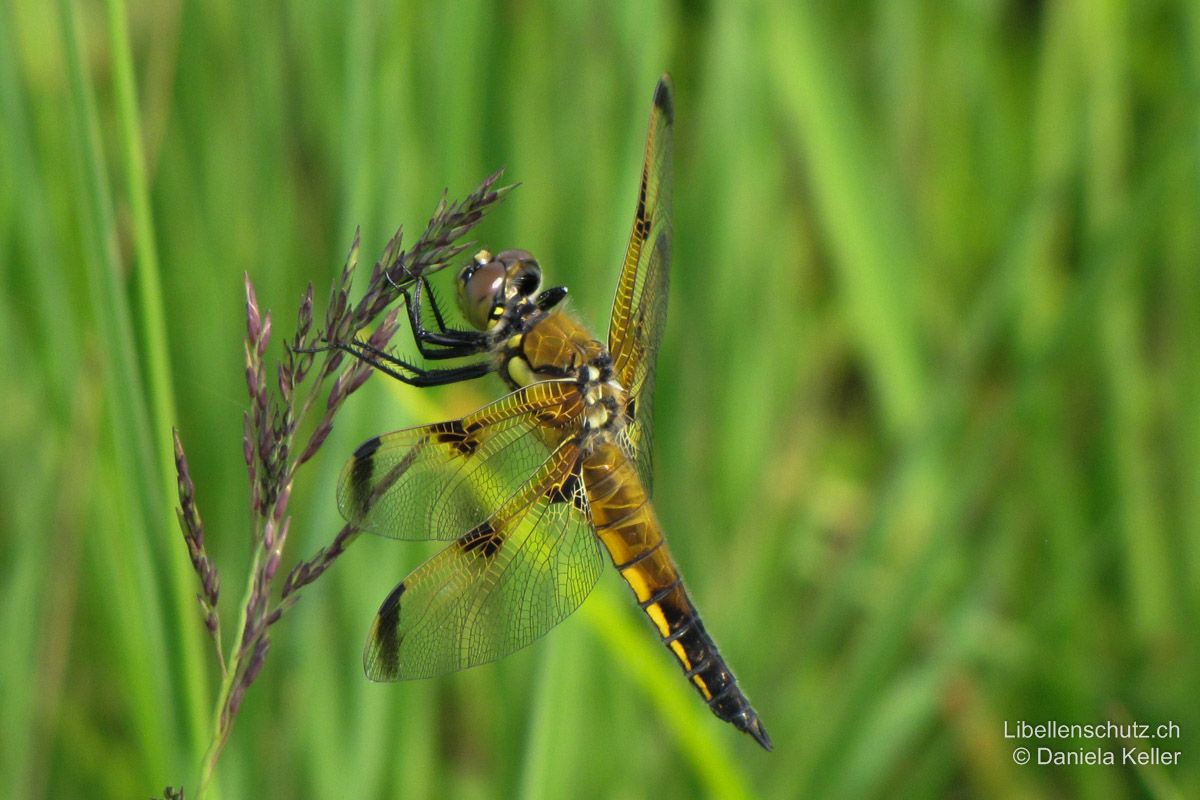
656, 616
681, 654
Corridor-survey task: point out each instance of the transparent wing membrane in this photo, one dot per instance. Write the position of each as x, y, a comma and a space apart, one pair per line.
639, 312
496, 589
439, 481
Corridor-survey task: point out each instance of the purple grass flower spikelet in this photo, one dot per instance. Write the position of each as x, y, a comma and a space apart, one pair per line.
193, 532
249, 629
322, 432
266, 335
247, 438
357, 379
278, 411
251, 373
256, 661
304, 318
283, 379
253, 320
281, 503
338, 391
211, 585
384, 333
235, 703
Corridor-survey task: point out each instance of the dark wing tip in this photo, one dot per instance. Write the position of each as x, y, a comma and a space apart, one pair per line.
662, 98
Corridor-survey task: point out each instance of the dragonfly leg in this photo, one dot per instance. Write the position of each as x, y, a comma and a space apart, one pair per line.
408, 373
449, 343
433, 304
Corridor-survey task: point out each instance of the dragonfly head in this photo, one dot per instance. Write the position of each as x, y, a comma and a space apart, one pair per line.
489, 284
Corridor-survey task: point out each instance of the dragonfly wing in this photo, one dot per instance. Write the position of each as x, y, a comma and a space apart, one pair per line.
639, 312
498, 587
437, 481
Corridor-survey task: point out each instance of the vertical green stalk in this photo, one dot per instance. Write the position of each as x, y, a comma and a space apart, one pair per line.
875, 255
50, 345
1104, 25
151, 319
125, 558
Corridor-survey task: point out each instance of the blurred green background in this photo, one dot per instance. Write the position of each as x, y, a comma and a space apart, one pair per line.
928, 421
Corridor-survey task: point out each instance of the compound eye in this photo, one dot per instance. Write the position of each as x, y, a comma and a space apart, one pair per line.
479, 291
524, 273
527, 279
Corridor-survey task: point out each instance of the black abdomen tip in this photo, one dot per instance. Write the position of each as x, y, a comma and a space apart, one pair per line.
755, 728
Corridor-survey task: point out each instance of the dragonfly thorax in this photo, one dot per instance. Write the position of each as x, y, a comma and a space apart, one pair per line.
604, 399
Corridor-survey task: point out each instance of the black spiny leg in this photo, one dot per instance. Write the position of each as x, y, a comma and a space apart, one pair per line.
433, 304
390, 365
450, 343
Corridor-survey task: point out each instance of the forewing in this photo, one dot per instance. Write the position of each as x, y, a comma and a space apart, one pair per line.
439, 481
498, 587
639, 311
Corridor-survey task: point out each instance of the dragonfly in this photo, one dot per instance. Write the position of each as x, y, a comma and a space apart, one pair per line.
533, 489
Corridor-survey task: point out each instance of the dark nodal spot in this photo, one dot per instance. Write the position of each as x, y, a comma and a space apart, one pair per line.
482, 538
631, 410
448, 430
453, 434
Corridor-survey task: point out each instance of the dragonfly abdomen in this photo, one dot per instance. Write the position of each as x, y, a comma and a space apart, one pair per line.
625, 522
